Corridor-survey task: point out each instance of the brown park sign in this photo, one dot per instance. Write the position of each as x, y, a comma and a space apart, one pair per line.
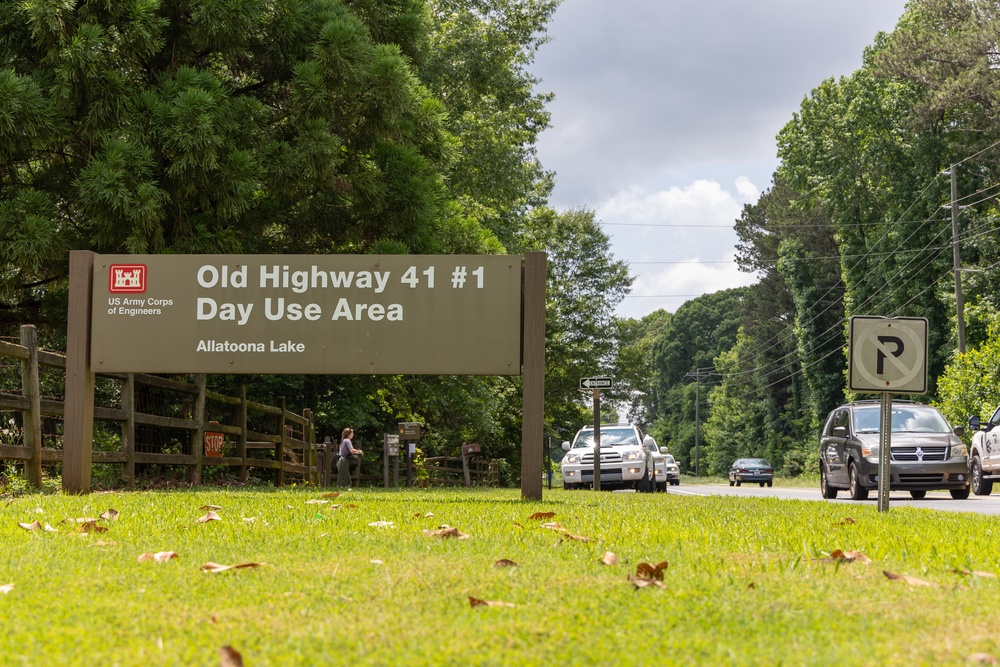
341, 314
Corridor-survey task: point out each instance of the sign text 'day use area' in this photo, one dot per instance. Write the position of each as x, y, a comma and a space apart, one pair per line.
888, 354
345, 314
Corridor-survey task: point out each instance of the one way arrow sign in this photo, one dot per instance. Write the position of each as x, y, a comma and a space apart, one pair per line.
596, 383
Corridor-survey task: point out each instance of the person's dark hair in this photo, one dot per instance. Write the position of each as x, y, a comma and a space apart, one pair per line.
344, 433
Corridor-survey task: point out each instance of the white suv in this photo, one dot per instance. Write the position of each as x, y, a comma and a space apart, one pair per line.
627, 459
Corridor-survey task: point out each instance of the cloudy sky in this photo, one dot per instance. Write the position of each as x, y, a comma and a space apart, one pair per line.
665, 119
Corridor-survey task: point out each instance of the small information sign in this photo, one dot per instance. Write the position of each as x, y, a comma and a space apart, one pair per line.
409, 430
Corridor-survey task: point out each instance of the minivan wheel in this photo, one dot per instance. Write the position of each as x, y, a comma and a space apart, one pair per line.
980, 486
960, 494
731, 482
918, 495
825, 489
858, 492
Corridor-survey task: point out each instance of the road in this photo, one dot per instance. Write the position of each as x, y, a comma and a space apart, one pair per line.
936, 500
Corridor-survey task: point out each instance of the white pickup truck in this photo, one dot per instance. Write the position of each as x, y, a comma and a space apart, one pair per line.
984, 454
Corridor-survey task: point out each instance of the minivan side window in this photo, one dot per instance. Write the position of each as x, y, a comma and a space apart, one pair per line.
995, 419
840, 418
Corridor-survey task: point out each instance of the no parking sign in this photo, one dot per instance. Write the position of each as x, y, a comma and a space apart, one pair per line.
888, 354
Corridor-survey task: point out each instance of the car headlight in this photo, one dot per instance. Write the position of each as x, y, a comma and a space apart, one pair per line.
959, 450
572, 458
673, 468
869, 451
632, 456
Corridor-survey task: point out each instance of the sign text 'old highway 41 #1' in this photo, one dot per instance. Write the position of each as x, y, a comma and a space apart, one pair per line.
596, 383
888, 354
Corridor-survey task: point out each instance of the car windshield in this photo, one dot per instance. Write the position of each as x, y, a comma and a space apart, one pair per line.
909, 419
609, 437
668, 458
757, 462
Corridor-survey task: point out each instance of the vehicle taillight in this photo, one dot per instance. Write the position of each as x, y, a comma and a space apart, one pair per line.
743, 470
770, 470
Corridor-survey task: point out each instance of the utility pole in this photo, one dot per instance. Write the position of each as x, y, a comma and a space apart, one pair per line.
959, 306
698, 377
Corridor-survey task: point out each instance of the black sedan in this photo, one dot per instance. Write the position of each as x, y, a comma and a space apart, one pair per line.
751, 470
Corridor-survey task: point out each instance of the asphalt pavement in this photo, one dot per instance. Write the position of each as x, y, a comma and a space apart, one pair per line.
936, 500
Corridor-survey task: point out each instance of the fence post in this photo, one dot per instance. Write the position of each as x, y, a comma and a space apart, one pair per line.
309, 435
198, 435
241, 446
279, 447
32, 420
128, 429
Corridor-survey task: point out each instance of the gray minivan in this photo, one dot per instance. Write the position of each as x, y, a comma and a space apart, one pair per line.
926, 451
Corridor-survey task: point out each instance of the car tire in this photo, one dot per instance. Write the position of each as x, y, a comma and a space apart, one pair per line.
980, 486
825, 489
918, 494
769, 484
960, 494
731, 482
858, 492
738, 482
762, 485
676, 482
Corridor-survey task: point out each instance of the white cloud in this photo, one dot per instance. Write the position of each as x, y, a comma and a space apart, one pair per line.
669, 286
678, 241
703, 202
747, 190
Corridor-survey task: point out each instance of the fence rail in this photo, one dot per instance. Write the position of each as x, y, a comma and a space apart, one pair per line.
259, 436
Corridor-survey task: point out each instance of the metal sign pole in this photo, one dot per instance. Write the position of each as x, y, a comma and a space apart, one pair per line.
597, 440
884, 451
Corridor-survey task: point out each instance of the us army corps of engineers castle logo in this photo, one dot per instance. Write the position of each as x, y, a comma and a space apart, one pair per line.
127, 278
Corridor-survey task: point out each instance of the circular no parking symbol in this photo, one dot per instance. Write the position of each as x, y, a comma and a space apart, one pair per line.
888, 354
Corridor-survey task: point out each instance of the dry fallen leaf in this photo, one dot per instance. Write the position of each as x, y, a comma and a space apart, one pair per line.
34, 525
542, 515
648, 571
332, 494
838, 556
554, 525
38, 510
976, 573
6, 588
446, 531
751, 586
230, 657
640, 582
210, 508
847, 521
381, 524
505, 562
578, 538
216, 567
912, 581
376, 561
316, 501
210, 516
91, 527
103, 543
50, 529
250, 519
476, 602
350, 506
982, 659
609, 558
158, 557
110, 515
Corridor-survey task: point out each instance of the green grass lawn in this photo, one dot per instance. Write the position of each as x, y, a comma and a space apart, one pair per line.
740, 586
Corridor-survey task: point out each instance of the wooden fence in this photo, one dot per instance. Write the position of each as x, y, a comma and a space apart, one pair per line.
147, 419
433, 471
